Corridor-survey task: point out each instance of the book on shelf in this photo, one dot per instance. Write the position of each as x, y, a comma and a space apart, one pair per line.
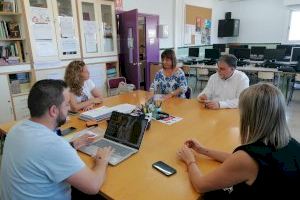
13, 30
8, 6
12, 53
9, 29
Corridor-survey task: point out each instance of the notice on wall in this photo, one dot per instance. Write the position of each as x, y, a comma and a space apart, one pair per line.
40, 15
45, 48
68, 45
90, 42
42, 31
89, 27
67, 27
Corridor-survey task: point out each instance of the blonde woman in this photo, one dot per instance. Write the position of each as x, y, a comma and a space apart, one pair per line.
84, 94
265, 166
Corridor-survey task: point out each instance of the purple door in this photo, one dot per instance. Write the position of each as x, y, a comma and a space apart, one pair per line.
152, 44
128, 26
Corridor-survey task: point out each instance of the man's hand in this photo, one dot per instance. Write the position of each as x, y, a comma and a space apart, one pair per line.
103, 155
84, 140
202, 98
212, 105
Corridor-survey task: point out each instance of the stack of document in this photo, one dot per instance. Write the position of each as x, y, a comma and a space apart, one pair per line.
104, 112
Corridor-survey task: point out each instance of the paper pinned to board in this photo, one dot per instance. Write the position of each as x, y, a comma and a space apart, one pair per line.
45, 48
67, 26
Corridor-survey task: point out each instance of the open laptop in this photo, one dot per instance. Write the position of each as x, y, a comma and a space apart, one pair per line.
124, 133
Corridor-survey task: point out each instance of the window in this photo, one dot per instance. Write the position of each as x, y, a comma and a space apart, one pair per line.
294, 33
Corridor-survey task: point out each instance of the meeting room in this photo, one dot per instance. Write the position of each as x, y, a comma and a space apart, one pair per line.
138, 99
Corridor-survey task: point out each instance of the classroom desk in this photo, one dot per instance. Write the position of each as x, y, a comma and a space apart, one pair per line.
248, 68
135, 178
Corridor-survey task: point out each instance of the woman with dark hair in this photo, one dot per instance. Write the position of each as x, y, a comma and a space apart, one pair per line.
265, 166
84, 93
170, 80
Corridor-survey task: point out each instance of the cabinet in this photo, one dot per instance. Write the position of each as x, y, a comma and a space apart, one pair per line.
98, 28
41, 29
5, 101
66, 27
20, 107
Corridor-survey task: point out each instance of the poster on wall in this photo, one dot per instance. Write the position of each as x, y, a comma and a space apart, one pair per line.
197, 25
119, 5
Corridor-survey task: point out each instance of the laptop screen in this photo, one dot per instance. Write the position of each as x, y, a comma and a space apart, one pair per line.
126, 129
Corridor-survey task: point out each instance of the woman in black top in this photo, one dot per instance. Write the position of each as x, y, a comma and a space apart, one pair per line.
266, 165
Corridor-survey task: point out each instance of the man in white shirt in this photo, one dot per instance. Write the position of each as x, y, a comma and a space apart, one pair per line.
224, 87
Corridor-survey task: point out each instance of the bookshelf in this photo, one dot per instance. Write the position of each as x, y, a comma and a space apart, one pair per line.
13, 45
16, 73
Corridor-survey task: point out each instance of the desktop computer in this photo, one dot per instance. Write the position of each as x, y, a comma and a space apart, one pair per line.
241, 55
211, 56
295, 54
257, 53
271, 55
193, 52
220, 47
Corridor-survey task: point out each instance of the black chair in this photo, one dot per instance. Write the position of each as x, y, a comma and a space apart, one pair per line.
188, 93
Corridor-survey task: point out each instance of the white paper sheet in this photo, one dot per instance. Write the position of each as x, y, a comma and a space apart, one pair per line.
42, 31
39, 15
68, 44
89, 27
187, 34
45, 48
67, 27
90, 42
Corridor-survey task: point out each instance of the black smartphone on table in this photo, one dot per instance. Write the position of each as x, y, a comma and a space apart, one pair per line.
164, 168
70, 112
68, 131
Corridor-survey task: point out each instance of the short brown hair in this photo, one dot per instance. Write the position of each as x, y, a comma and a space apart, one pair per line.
170, 54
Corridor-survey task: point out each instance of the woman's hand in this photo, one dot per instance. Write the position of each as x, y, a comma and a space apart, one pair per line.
97, 100
90, 107
195, 145
186, 154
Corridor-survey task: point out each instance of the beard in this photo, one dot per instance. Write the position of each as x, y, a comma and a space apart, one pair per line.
60, 120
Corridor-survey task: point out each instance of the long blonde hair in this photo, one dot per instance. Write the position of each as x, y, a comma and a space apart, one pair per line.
262, 112
73, 77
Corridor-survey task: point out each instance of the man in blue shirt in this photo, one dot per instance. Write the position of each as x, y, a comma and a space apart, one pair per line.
37, 163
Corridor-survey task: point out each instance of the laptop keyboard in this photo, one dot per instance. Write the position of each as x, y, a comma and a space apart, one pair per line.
119, 150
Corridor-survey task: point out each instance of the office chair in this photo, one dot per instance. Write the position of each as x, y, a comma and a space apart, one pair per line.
113, 84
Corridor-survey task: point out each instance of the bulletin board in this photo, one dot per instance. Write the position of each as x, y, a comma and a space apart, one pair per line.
197, 26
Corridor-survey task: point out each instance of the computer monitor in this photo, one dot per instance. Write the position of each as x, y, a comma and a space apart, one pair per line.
274, 54
242, 53
240, 46
194, 52
288, 49
220, 47
295, 54
212, 54
256, 50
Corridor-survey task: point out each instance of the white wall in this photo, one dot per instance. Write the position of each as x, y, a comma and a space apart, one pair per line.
163, 8
262, 21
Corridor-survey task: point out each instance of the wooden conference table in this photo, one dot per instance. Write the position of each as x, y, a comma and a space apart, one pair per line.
135, 178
